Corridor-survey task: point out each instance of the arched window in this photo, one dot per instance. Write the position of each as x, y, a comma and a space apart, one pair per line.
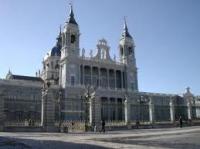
121, 51
73, 38
72, 80
52, 76
130, 50
52, 65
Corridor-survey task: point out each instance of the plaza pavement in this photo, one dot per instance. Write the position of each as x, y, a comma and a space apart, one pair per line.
167, 138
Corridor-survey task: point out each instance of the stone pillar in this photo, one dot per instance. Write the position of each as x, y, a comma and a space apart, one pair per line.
127, 110
151, 111
172, 111
115, 79
83, 75
189, 109
91, 111
1, 112
79, 75
189, 98
108, 78
95, 112
121, 79
98, 111
91, 76
109, 109
48, 111
99, 85
116, 109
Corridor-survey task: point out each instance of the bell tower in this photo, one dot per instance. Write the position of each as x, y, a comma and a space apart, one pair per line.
69, 68
70, 37
127, 57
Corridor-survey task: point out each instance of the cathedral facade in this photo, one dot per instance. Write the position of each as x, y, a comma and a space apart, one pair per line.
72, 86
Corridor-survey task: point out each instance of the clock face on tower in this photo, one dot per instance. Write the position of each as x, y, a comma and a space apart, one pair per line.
73, 38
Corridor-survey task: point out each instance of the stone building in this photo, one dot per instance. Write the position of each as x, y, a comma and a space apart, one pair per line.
69, 82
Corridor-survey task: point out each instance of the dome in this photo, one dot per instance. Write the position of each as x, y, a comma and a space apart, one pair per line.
55, 51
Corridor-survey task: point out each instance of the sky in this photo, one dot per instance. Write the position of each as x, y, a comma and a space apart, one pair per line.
166, 34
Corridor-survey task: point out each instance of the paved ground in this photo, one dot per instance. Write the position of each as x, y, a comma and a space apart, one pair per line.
171, 138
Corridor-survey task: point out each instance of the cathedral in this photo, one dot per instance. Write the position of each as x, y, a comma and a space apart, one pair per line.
74, 87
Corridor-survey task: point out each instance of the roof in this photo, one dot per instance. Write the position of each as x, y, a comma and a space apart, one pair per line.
26, 78
125, 32
71, 17
55, 51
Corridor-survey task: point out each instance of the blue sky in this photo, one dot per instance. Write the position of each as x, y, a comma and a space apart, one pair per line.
166, 34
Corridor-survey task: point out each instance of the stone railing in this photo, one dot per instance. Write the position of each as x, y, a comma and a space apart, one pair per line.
102, 61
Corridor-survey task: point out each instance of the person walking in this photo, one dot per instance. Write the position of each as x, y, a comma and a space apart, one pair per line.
180, 122
103, 126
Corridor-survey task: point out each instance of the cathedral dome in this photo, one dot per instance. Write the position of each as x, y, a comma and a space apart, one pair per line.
55, 51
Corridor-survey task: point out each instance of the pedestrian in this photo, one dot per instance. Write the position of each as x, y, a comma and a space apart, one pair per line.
103, 126
95, 128
180, 122
73, 126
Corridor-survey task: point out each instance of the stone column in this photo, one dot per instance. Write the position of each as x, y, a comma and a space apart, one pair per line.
95, 112
189, 98
109, 109
115, 79
92, 110
127, 111
108, 78
83, 75
172, 111
48, 111
79, 75
151, 111
121, 79
1, 112
99, 69
98, 111
116, 109
189, 109
91, 76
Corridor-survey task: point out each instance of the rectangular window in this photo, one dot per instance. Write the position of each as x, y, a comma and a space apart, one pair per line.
132, 86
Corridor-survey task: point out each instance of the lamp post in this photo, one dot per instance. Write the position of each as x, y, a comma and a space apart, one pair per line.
87, 100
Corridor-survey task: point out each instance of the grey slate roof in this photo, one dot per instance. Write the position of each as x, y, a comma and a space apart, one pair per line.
71, 17
26, 78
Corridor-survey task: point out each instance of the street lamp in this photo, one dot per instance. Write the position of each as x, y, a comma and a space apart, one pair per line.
87, 100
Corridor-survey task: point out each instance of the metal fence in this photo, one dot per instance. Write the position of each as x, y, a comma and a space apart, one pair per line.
114, 115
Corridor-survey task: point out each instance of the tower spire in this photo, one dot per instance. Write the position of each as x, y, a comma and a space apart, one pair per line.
125, 24
60, 30
125, 31
71, 18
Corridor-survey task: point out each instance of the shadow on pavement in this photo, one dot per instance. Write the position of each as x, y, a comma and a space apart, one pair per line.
13, 143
